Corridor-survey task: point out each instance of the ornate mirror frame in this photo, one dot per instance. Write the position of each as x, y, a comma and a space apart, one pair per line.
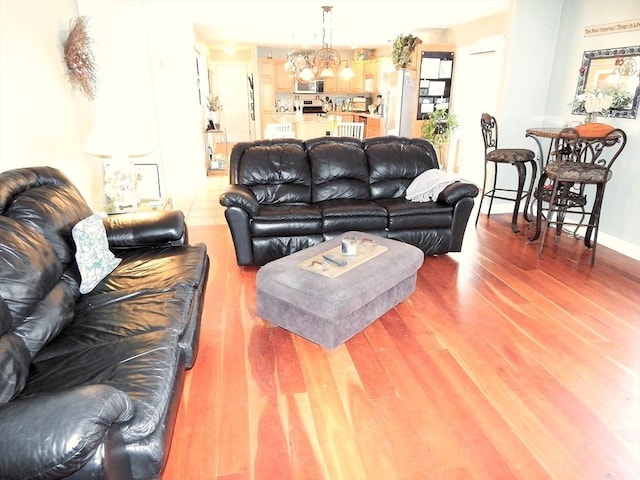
617, 68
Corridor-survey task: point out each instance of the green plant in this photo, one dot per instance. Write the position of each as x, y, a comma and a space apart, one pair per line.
438, 128
213, 104
402, 50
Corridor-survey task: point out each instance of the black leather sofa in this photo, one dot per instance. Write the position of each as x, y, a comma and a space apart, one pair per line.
90, 383
287, 194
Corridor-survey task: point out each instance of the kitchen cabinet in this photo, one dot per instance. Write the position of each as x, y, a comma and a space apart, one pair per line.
372, 76
284, 81
372, 125
311, 128
339, 84
356, 84
266, 68
266, 91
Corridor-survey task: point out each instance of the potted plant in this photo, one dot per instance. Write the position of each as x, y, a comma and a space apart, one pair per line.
402, 50
214, 106
438, 128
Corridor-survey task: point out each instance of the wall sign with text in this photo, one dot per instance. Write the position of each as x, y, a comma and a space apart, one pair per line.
617, 27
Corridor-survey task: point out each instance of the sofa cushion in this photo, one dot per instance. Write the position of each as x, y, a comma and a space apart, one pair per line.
29, 267
50, 316
94, 259
339, 171
143, 366
405, 214
156, 269
111, 316
286, 219
345, 215
395, 162
47, 201
14, 366
276, 172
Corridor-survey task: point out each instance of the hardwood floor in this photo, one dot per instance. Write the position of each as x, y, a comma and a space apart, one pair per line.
499, 366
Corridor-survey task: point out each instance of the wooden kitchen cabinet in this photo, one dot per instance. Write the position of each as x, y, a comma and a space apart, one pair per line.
372, 76
372, 126
266, 68
356, 84
284, 81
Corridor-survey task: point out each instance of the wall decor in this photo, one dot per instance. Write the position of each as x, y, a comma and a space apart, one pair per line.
612, 72
79, 58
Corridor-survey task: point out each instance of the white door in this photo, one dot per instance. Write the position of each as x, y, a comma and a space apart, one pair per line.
478, 75
230, 82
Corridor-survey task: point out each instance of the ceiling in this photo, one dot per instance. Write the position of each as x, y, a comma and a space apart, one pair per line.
356, 23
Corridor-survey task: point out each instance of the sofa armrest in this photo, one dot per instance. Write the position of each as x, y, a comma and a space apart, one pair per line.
457, 190
240, 196
148, 229
54, 435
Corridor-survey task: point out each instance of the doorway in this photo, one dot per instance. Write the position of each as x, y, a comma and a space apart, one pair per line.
229, 81
476, 90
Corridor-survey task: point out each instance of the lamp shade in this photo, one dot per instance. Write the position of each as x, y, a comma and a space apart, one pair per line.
118, 137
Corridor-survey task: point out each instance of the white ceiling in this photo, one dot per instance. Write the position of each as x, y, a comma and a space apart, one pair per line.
356, 23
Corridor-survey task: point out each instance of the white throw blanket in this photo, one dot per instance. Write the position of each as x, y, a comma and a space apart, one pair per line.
427, 186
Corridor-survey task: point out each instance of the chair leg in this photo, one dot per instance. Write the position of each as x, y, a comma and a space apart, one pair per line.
552, 202
534, 173
594, 222
538, 225
484, 191
522, 173
493, 190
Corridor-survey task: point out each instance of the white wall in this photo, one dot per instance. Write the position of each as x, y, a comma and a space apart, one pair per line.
544, 51
147, 81
42, 121
620, 224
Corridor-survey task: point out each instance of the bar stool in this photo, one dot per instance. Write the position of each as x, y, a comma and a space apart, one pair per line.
583, 156
518, 157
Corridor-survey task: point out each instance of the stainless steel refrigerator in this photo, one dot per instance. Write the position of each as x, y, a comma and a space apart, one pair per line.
399, 102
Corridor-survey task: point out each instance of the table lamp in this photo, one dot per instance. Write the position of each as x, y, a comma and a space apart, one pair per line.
118, 145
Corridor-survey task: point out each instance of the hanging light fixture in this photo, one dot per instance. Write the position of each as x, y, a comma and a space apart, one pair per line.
347, 71
300, 63
327, 59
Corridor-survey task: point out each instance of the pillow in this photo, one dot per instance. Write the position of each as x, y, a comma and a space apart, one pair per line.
95, 260
427, 186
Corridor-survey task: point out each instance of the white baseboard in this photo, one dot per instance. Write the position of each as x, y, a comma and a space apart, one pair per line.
627, 249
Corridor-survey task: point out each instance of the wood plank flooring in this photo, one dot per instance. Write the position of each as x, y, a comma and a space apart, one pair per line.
499, 366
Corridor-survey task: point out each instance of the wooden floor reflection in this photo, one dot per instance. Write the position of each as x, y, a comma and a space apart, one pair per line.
499, 366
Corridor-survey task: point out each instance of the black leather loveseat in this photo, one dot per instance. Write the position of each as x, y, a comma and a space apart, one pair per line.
286, 195
90, 383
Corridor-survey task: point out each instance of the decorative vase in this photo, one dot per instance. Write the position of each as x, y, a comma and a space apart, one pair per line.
591, 118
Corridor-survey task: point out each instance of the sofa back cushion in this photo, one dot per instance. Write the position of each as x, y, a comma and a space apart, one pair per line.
29, 268
44, 199
338, 169
394, 162
277, 171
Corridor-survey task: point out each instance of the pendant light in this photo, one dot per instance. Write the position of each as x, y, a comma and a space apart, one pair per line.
327, 59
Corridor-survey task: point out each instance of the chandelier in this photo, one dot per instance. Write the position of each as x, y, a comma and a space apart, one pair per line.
304, 65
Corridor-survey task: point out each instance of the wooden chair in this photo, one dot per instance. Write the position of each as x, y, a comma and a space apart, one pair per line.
279, 130
582, 156
518, 157
350, 129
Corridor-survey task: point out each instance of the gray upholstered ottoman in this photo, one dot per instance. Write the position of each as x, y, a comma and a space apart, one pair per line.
329, 311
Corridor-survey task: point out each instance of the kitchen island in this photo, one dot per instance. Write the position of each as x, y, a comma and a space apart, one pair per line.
312, 125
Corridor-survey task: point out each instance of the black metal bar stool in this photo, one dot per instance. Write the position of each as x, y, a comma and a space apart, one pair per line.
518, 157
583, 156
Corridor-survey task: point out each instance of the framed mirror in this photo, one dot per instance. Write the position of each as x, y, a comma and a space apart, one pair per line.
614, 72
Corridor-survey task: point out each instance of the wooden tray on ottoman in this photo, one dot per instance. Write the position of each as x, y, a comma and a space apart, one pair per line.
329, 311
